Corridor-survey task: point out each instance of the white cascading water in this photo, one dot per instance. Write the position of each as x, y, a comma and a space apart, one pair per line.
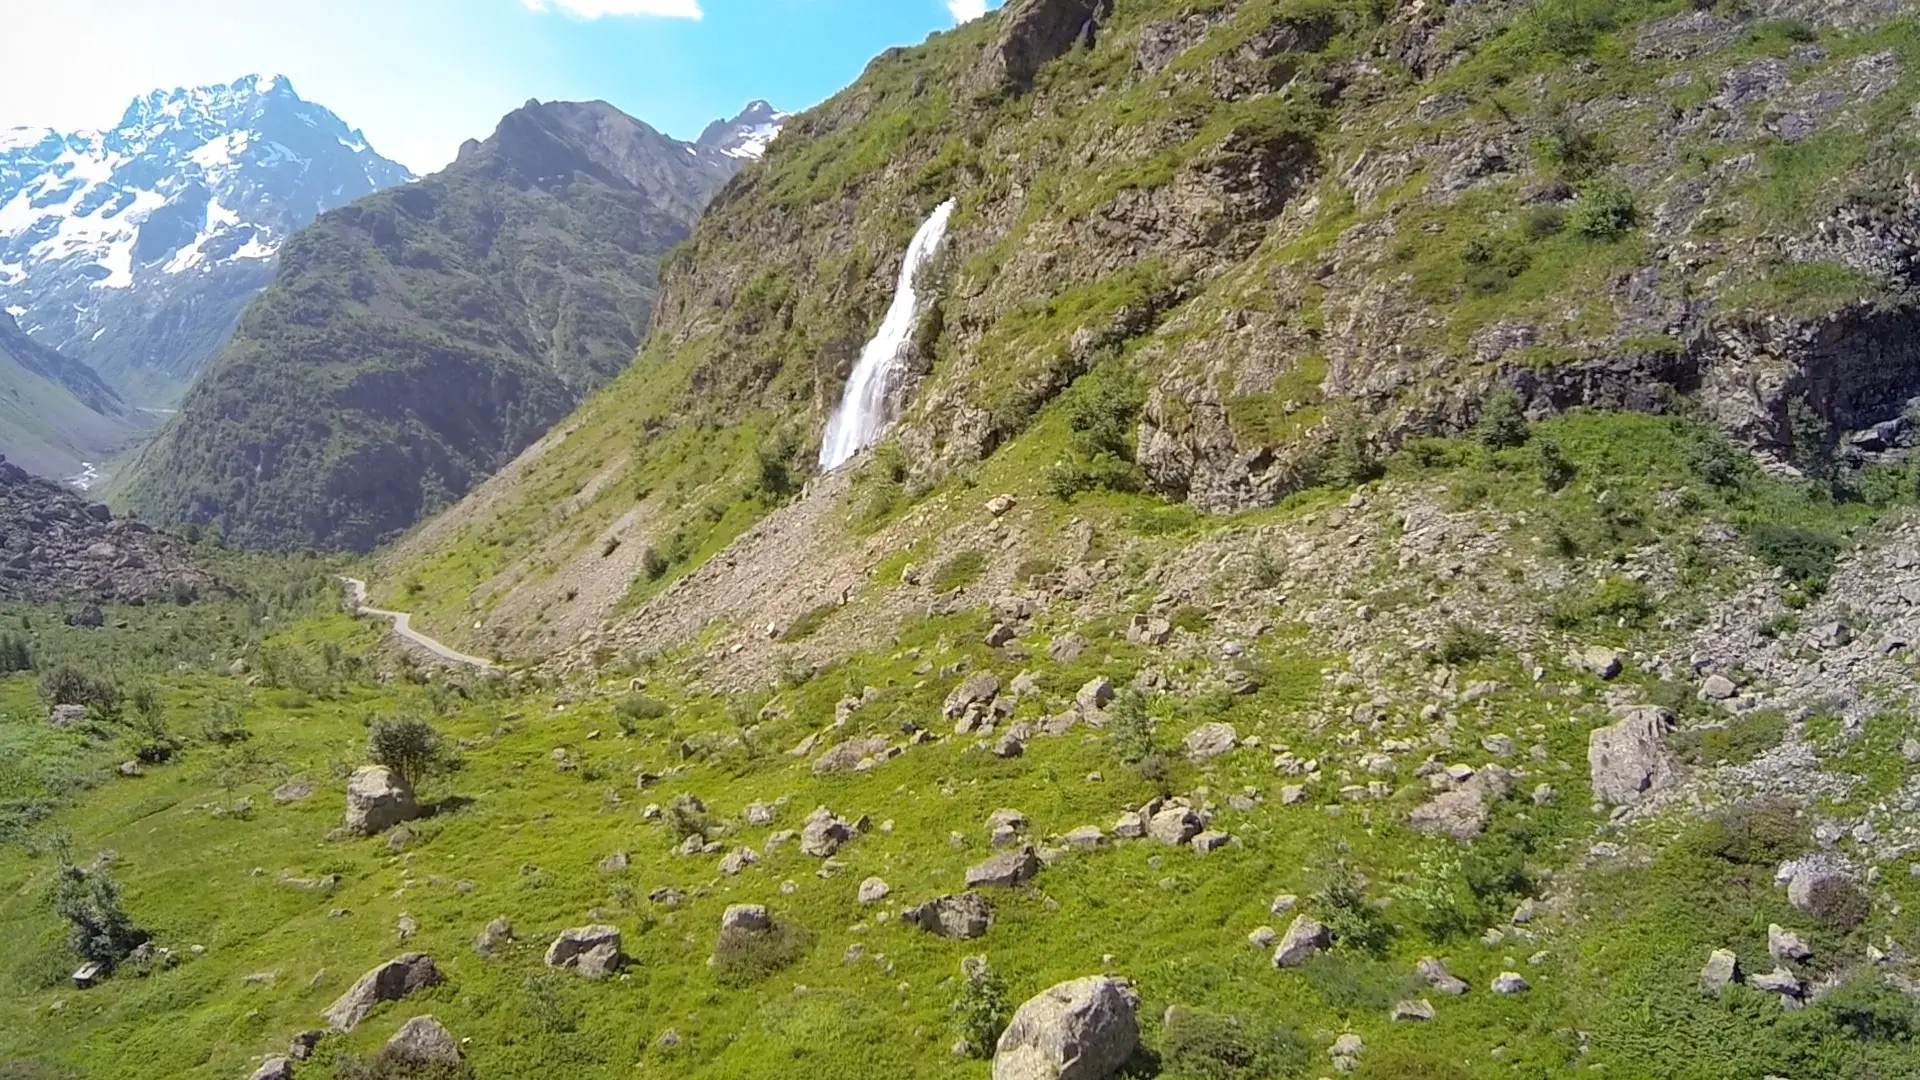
862, 414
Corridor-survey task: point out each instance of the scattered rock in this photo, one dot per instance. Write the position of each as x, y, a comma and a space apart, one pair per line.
1784, 944
301, 1048
1461, 813
978, 690
1417, 1009
1096, 695
66, 716
1085, 838
1598, 660
423, 1040
1778, 981
745, 917
1066, 648
1346, 1051
1262, 937
593, 950
1084, 1029
1629, 758
1006, 870
1443, 981
733, 862
873, 890
1717, 688
848, 756
1210, 841
1174, 825
1304, 939
1209, 741
498, 935
999, 505
377, 800
293, 791
1721, 971
824, 833
1509, 982
274, 1068
615, 863
1131, 826
391, 981
760, 813
962, 917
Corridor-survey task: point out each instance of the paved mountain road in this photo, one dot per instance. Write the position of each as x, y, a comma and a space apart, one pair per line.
403, 626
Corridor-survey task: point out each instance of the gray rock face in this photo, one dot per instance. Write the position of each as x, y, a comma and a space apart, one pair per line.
1629, 758
1209, 741
1084, 1029
1443, 981
1304, 939
823, 833
1006, 870
391, 981
1174, 825
961, 917
1721, 971
377, 800
590, 950
424, 1040
745, 917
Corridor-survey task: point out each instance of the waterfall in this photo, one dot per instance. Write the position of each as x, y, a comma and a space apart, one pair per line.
863, 410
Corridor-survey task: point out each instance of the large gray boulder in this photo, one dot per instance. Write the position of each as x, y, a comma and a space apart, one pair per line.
962, 917
823, 833
1461, 813
1084, 1029
1305, 938
274, 1068
391, 981
1209, 741
978, 691
1006, 870
1175, 825
423, 1040
377, 800
1629, 759
593, 951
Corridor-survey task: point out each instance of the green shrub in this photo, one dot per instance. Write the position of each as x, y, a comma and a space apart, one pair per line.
223, 726
1541, 222
1807, 555
1615, 601
958, 572
68, 685
1352, 461
1129, 728
1208, 1046
1463, 643
98, 927
386, 1064
1605, 211
981, 1006
1556, 471
687, 816
653, 564
1736, 742
1492, 262
809, 622
742, 957
1761, 833
1102, 409
1034, 567
1503, 421
1357, 925
410, 747
1838, 903
15, 654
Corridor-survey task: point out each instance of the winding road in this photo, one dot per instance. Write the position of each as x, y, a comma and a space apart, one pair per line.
403, 626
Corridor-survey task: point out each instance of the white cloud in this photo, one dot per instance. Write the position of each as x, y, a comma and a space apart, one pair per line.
967, 10
594, 9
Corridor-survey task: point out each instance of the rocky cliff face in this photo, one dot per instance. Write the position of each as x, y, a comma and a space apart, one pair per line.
415, 341
1296, 224
55, 546
135, 249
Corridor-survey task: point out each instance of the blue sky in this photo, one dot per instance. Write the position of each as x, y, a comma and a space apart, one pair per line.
419, 76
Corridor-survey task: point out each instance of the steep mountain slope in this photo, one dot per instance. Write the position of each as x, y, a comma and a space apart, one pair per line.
55, 414
1260, 243
56, 546
415, 341
135, 249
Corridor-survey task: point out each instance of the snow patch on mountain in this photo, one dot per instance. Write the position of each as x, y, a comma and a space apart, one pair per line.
747, 136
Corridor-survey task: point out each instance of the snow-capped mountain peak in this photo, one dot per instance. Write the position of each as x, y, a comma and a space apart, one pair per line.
747, 135
193, 181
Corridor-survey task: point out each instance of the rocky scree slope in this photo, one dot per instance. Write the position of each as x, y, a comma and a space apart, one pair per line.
55, 412
134, 249
1288, 235
56, 546
415, 341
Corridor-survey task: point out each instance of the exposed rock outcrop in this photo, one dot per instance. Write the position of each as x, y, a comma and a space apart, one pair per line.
1084, 1029
391, 981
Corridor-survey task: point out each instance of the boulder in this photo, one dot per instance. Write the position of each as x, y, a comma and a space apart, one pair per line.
571, 948
873, 890
1085, 838
760, 813
1131, 826
1096, 695
274, 1068
1411, 1009
961, 917
1066, 648
1784, 944
1437, 976
293, 791
1006, 870
1209, 741
1084, 1029
423, 1041
1717, 688
377, 800
1460, 813
1599, 661
497, 935
1304, 939
600, 961
66, 716
1629, 758
1778, 981
745, 917
823, 833
1031, 33
1721, 971
848, 755
1174, 825
978, 690
301, 1048
1210, 841
391, 981
1822, 889
1509, 982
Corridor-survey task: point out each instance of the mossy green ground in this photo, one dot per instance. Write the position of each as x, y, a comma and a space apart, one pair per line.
519, 836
